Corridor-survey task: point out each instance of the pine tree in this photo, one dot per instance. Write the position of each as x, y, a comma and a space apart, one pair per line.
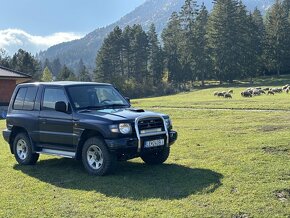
56, 66
109, 63
66, 74
4, 58
139, 48
84, 75
277, 38
255, 38
155, 57
46, 75
223, 36
171, 37
26, 63
202, 65
188, 42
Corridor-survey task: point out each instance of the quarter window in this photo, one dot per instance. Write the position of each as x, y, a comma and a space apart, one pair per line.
30, 98
19, 100
51, 96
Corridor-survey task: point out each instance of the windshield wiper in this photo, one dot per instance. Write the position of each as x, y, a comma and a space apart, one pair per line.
115, 105
90, 108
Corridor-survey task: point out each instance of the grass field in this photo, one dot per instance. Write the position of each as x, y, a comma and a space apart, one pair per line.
226, 163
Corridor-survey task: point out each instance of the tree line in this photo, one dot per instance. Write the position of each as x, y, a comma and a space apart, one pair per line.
47, 71
228, 44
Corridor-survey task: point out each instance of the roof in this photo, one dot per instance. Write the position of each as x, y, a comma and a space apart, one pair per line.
65, 83
6, 72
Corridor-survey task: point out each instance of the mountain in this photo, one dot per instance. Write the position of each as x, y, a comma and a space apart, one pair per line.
152, 11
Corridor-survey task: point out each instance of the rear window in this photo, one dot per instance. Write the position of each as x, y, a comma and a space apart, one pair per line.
25, 98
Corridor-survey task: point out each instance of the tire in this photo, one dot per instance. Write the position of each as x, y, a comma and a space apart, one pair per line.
96, 157
22, 149
158, 157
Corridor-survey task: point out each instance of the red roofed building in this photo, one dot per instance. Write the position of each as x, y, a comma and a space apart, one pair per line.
8, 81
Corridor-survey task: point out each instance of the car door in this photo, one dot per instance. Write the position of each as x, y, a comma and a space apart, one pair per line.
55, 128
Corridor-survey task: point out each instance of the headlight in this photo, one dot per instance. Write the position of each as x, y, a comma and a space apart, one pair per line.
125, 128
168, 122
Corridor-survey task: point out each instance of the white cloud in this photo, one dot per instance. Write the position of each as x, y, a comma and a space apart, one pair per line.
13, 39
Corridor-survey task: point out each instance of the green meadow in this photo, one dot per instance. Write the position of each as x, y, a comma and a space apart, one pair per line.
232, 159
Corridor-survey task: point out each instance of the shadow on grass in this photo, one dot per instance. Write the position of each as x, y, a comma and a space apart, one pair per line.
131, 180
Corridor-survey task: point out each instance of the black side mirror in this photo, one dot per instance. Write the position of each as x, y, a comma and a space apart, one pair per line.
60, 106
128, 99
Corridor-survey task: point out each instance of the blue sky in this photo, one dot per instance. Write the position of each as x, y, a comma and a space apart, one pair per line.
43, 17
35, 25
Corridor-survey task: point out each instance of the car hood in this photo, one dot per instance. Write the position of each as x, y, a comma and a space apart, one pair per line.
121, 114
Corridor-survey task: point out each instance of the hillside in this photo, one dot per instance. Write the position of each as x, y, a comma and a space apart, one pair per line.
152, 11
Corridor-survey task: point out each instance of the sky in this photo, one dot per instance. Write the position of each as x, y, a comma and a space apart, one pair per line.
41, 23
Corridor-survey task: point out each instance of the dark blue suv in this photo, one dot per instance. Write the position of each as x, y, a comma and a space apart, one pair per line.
92, 122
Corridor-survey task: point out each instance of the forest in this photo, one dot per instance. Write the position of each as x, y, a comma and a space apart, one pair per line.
227, 44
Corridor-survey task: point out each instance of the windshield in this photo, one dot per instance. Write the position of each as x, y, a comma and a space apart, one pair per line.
96, 97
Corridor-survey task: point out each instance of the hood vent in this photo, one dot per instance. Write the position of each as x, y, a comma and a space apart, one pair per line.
137, 110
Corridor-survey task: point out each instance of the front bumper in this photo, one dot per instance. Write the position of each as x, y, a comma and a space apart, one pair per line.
132, 143
6, 135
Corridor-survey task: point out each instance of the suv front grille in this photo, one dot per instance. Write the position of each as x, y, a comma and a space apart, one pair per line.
151, 123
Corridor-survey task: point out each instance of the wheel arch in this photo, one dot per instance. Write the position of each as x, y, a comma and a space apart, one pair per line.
14, 132
86, 134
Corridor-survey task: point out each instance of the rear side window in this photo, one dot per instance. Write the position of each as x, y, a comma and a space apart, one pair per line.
51, 96
19, 100
30, 98
25, 98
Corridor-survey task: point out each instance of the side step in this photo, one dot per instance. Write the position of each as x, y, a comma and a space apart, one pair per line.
67, 154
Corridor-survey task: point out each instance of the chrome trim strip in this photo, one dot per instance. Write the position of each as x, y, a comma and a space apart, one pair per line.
153, 133
150, 134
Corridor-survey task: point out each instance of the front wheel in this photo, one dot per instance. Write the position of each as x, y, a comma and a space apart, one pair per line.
157, 157
96, 157
23, 150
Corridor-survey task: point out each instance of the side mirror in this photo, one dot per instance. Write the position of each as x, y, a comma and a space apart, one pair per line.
128, 99
60, 106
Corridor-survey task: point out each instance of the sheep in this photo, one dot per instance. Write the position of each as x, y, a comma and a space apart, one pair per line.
276, 90
216, 93
262, 91
228, 95
246, 94
224, 92
270, 92
285, 87
266, 89
231, 91
287, 90
220, 94
256, 92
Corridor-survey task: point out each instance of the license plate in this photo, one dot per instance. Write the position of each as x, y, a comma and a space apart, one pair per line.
154, 143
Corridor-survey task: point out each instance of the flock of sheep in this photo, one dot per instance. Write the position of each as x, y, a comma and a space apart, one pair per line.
250, 92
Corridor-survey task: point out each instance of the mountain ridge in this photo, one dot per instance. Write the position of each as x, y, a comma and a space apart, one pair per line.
151, 11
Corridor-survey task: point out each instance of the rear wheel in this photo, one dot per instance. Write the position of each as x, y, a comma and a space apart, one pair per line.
22, 149
157, 157
96, 157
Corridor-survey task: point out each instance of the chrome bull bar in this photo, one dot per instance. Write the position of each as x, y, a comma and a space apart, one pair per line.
139, 135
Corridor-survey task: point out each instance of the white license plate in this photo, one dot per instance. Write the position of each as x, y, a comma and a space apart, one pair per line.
154, 143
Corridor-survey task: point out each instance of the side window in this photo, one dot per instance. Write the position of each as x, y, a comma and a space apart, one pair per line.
51, 96
19, 100
29, 98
